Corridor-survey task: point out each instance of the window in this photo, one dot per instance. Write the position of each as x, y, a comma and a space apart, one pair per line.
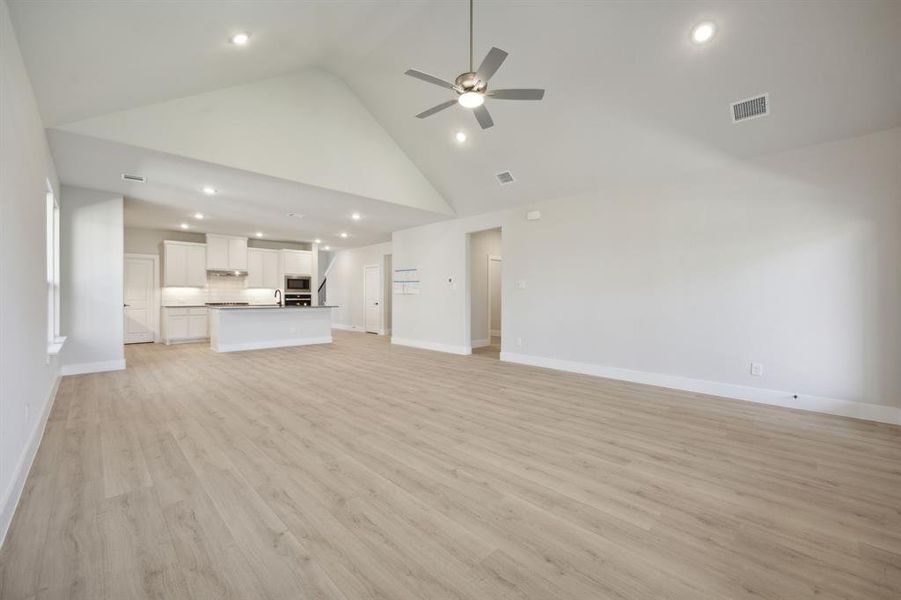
54, 341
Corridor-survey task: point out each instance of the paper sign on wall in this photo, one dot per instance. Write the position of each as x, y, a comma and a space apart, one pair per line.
406, 281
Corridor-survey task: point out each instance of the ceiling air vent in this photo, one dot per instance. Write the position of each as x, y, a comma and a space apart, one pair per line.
505, 177
752, 108
136, 178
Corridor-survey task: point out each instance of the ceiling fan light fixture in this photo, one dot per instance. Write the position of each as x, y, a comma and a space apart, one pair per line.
471, 99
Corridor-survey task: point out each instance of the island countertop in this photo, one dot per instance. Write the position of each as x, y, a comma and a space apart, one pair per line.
269, 307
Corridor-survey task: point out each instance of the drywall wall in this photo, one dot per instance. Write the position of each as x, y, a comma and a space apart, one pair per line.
147, 241
27, 378
91, 236
790, 260
139, 240
345, 283
307, 126
482, 245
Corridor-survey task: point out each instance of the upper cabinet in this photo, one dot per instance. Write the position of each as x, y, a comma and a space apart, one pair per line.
297, 262
226, 253
184, 264
262, 269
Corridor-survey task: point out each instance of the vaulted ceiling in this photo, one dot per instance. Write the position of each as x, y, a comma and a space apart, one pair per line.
629, 98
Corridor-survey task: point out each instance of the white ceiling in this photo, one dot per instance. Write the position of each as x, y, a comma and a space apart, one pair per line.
245, 203
629, 98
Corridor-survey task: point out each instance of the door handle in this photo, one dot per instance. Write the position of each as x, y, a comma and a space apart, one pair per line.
376, 303
126, 305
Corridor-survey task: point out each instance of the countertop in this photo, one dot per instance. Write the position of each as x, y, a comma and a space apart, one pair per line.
269, 307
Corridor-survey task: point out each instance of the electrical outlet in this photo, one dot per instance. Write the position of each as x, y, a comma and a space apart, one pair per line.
521, 284
756, 369
519, 342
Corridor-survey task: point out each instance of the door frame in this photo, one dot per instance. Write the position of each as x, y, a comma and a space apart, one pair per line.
155, 303
381, 329
495, 258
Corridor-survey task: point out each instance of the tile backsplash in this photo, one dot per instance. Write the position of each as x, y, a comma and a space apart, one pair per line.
218, 289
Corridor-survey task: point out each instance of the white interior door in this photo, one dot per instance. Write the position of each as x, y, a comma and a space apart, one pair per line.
372, 298
494, 295
139, 304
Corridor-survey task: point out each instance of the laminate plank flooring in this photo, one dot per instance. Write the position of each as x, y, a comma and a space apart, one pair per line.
365, 470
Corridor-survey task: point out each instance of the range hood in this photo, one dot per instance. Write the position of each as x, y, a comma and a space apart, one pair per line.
225, 273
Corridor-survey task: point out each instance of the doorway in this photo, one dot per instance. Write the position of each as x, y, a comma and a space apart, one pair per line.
141, 310
485, 269
372, 299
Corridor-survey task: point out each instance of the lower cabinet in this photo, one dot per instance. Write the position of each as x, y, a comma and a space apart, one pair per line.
185, 324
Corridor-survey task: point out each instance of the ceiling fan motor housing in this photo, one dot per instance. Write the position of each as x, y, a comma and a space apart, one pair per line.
469, 82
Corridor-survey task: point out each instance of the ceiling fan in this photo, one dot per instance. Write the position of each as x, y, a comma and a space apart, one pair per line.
472, 87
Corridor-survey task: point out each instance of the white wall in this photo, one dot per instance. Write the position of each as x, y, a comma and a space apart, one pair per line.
345, 283
482, 245
91, 236
27, 380
790, 260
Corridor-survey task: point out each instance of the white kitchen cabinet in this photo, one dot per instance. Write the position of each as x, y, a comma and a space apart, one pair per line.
262, 268
185, 324
237, 254
226, 253
184, 264
297, 262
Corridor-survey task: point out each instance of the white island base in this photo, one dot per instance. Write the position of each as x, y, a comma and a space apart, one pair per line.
236, 328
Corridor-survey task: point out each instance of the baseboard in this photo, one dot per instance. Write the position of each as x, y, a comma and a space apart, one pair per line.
343, 327
480, 343
820, 404
325, 339
432, 346
95, 367
14, 492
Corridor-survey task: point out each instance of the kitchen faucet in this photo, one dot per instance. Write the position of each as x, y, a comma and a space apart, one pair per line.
278, 296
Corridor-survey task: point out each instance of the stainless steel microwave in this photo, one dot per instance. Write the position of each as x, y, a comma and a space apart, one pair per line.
297, 284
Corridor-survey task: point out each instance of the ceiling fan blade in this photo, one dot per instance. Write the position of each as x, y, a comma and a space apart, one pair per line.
429, 78
491, 64
524, 94
434, 109
482, 116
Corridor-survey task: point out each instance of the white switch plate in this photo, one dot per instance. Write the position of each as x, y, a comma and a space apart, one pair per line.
519, 342
521, 284
756, 369
533, 215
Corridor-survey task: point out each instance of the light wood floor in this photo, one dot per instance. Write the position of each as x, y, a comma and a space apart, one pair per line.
362, 470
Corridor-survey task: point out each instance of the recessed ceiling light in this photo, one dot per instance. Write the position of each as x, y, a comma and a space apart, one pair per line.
317, 241
327, 248
461, 137
259, 234
184, 225
240, 39
344, 234
355, 216
198, 216
208, 190
703, 32
471, 99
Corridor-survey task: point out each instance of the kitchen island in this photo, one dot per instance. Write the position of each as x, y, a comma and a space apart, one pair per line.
235, 328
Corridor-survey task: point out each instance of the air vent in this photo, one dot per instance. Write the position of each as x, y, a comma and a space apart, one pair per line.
505, 177
136, 178
752, 108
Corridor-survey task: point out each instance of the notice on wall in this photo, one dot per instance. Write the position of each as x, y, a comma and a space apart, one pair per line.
406, 281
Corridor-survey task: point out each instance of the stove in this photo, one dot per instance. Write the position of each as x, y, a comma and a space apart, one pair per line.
228, 303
